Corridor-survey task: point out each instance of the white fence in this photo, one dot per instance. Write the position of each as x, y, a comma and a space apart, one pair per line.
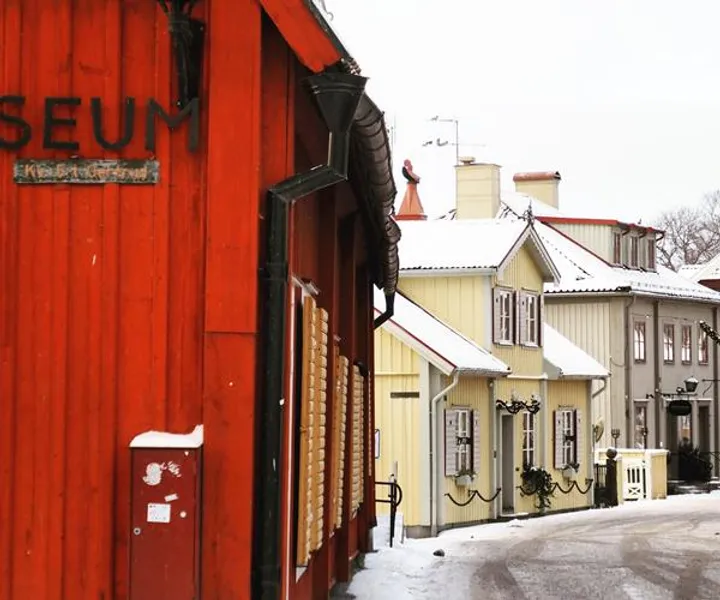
638, 472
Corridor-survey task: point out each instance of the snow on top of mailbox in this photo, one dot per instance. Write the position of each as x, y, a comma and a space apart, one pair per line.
164, 439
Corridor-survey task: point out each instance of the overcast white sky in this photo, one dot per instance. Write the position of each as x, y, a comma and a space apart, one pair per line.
622, 97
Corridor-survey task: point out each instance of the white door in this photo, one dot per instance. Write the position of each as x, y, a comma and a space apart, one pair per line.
633, 479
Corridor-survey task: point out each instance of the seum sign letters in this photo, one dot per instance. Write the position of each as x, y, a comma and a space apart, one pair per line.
17, 132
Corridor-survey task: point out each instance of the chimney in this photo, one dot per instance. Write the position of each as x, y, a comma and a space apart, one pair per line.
543, 185
411, 208
478, 189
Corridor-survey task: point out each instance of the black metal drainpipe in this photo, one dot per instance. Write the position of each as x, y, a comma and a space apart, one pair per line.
389, 311
337, 96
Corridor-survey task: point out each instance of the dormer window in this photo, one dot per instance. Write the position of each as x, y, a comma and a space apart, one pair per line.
634, 246
617, 247
650, 256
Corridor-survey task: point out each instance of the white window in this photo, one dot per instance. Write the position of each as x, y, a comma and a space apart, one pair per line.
634, 262
503, 316
650, 256
568, 437
686, 348
530, 319
617, 247
669, 343
639, 341
528, 450
462, 441
703, 358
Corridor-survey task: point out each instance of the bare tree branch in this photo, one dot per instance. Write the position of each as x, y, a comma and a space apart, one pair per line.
692, 234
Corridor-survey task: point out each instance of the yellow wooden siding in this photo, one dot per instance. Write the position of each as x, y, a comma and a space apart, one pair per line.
568, 394
522, 273
590, 326
473, 393
596, 238
658, 469
461, 301
393, 357
399, 422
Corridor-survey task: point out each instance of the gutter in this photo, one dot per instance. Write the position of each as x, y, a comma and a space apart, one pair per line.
338, 96
434, 493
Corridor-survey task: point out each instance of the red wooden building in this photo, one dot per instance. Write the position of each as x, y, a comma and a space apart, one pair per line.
195, 202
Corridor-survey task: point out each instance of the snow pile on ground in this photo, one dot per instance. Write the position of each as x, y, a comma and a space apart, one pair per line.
410, 570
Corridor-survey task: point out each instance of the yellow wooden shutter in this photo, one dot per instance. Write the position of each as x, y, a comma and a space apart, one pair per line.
357, 438
305, 487
341, 412
319, 423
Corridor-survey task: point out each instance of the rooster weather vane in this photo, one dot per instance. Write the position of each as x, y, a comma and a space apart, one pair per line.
408, 172
187, 36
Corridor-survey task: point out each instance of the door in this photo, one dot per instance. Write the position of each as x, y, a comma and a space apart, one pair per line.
507, 458
704, 428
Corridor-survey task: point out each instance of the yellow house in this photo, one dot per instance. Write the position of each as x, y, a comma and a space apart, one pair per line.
458, 439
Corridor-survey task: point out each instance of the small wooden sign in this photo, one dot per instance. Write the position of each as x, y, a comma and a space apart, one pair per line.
86, 171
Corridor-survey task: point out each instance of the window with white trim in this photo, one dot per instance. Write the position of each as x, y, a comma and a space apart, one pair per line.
634, 241
686, 347
639, 341
528, 449
532, 319
703, 356
463, 448
504, 313
567, 437
651, 253
617, 247
669, 343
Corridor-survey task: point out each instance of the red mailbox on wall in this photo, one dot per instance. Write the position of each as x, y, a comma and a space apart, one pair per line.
165, 515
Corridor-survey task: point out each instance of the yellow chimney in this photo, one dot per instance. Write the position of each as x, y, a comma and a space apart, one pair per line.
478, 189
543, 185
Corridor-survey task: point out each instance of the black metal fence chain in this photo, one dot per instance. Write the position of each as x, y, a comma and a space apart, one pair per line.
525, 491
473, 494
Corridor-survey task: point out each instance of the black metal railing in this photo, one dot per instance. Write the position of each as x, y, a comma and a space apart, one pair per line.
606, 484
394, 498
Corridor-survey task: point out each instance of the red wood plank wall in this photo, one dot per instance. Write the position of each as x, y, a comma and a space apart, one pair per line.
125, 308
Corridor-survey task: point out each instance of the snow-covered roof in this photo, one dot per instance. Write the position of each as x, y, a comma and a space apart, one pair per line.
443, 346
564, 360
703, 272
476, 245
518, 203
581, 271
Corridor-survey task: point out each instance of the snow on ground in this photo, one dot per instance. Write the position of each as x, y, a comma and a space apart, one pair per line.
410, 570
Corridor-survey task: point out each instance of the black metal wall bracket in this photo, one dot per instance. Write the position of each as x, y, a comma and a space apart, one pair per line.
188, 37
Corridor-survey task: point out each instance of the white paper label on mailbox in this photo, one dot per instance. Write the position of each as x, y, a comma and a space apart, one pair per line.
158, 513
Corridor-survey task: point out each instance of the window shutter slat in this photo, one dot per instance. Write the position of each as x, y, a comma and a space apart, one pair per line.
476, 441
451, 423
496, 316
515, 318
540, 317
558, 435
579, 439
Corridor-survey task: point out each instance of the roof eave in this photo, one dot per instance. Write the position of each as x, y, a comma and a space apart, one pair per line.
449, 271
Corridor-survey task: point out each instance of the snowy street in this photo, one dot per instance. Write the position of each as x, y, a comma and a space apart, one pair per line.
665, 549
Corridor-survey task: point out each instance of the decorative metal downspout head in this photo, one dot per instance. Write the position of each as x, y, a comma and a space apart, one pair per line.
337, 96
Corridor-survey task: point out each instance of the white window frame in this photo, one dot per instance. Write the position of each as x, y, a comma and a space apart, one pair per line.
703, 347
668, 343
617, 244
569, 448
634, 258
650, 254
505, 320
529, 439
686, 349
532, 316
639, 341
464, 445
